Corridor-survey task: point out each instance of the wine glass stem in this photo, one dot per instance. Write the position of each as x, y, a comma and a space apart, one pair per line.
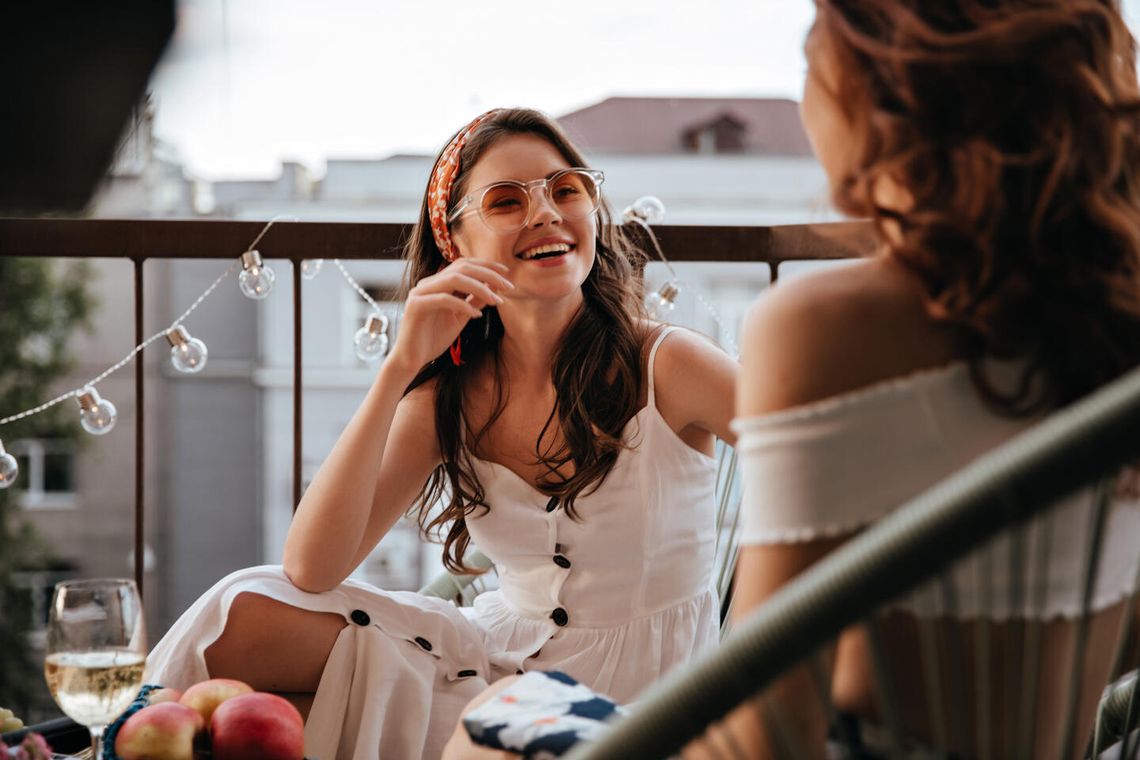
96, 742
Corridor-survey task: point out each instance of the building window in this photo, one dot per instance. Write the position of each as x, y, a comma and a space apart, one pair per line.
47, 473
724, 134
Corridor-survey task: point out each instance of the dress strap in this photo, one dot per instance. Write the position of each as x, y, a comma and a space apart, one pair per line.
652, 356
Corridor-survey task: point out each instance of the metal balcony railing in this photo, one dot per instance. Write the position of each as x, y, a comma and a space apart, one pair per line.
140, 240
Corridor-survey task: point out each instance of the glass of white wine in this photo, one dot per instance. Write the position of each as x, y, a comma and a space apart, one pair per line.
96, 650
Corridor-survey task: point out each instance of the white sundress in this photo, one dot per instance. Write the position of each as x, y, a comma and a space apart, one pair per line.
615, 600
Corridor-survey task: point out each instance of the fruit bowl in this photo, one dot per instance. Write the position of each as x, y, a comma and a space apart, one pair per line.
218, 719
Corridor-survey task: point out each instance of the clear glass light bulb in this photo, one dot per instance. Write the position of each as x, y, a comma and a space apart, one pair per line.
9, 468
647, 208
371, 341
310, 268
97, 415
187, 353
660, 303
256, 279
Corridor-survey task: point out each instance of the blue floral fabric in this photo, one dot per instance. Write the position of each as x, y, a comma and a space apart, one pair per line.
541, 716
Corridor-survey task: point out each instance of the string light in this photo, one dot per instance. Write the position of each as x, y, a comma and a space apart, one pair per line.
371, 341
661, 302
310, 268
86, 394
645, 211
647, 208
97, 415
256, 279
187, 353
9, 468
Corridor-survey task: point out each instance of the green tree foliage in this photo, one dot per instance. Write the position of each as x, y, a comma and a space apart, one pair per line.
42, 303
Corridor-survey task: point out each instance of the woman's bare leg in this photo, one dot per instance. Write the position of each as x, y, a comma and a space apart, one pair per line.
275, 647
460, 746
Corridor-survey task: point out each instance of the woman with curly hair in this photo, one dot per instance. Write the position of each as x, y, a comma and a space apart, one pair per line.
995, 145
527, 404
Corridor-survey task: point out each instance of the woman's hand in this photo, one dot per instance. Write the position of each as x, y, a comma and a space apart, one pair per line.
439, 306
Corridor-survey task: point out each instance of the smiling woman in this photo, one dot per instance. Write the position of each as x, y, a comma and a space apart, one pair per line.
588, 290
529, 397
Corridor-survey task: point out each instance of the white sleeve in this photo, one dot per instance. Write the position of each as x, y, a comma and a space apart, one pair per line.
829, 469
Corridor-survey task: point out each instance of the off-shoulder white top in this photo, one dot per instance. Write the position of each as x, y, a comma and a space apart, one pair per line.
831, 467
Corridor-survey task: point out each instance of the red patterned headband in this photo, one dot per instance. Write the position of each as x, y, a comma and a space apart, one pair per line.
439, 189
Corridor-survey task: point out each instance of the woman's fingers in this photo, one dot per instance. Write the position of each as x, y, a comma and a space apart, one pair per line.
488, 272
491, 272
457, 282
473, 287
497, 271
450, 303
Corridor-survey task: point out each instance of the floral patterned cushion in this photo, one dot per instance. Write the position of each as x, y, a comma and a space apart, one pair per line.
541, 715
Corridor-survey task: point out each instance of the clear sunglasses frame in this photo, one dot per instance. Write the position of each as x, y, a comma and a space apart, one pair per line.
472, 203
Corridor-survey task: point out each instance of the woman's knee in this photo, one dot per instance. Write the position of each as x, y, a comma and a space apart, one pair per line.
272, 645
460, 746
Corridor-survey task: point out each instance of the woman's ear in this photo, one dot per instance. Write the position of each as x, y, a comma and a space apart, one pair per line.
889, 193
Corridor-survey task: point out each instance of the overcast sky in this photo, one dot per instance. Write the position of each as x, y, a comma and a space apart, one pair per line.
246, 84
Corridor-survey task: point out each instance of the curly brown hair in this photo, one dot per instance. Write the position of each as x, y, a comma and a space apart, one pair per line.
1015, 127
597, 371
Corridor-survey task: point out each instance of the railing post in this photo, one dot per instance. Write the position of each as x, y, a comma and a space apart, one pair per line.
297, 386
140, 428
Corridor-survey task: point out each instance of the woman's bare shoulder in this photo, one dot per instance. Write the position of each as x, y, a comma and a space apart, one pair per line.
695, 382
837, 330
682, 350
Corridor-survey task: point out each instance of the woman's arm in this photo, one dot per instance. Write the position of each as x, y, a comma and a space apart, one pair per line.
696, 384
804, 341
382, 459
783, 364
364, 485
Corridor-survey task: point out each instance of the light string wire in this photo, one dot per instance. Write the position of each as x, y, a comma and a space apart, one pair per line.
140, 347
733, 348
356, 286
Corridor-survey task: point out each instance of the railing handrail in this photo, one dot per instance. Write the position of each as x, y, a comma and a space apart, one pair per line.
141, 239
198, 239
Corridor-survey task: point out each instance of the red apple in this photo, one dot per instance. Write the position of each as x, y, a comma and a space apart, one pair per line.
159, 732
207, 695
164, 695
257, 726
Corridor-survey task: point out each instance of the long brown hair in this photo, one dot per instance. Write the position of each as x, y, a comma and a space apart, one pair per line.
597, 372
1015, 126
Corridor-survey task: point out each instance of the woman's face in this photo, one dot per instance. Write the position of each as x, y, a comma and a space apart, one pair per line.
525, 158
830, 130
823, 119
